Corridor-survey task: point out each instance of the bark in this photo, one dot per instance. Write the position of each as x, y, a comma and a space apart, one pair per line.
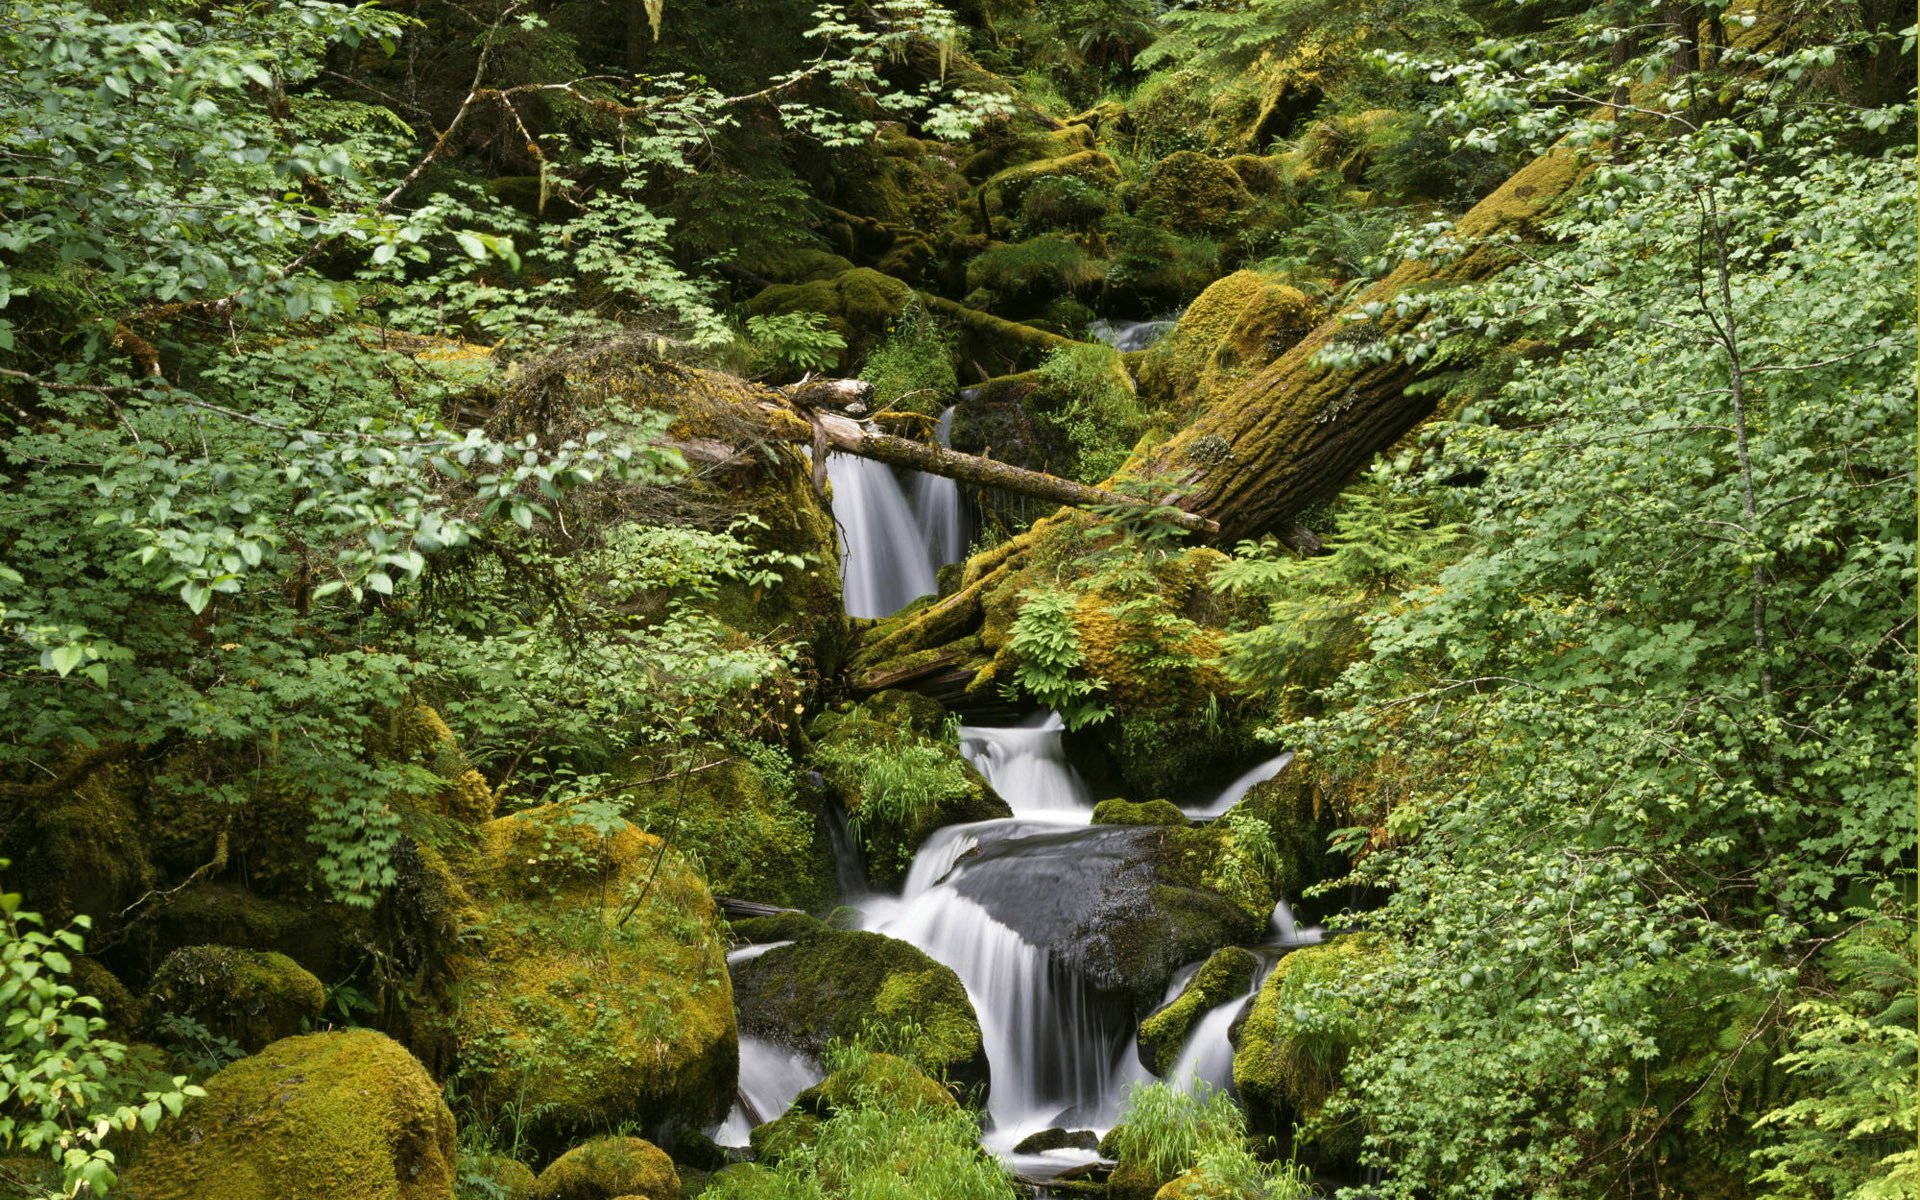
846, 434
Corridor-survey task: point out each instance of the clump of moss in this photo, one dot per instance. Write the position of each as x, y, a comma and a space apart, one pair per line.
1234, 327
83, 852
610, 1167
1007, 189
871, 1079
249, 996
891, 764
833, 985
509, 1177
911, 370
1047, 265
1226, 974
597, 993
1191, 193
1146, 812
1297, 1038
308, 1118
858, 305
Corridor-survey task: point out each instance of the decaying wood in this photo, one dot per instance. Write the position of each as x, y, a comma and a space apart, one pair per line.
735, 908
851, 436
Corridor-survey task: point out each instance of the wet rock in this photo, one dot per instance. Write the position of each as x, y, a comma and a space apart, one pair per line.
1146, 812
247, 996
1228, 973
1057, 1139
609, 1168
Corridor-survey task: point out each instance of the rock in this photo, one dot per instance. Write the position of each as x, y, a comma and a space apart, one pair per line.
1288, 803
911, 730
510, 1177
1290, 1057
1231, 330
875, 1078
832, 984
82, 851
1226, 974
1191, 193
1146, 812
319, 1117
1005, 190
607, 1168
249, 996
1057, 1139
858, 305
579, 1008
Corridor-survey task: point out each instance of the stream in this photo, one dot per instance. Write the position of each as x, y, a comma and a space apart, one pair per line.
988, 898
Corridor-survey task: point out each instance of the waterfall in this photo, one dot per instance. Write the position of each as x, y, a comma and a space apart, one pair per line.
1283, 930
1128, 336
1028, 766
1208, 1054
937, 508
883, 561
770, 1077
1235, 791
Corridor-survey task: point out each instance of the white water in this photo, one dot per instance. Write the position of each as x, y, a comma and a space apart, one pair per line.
770, 1077
1127, 336
1284, 931
936, 507
1028, 766
1208, 1055
1237, 790
891, 568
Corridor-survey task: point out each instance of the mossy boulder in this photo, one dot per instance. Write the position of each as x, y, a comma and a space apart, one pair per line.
883, 1079
1226, 974
889, 762
1237, 325
1146, 812
749, 824
858, 305
607, 1168
509, 1177
253, 997
229, 914
1300, 818
1005, 190
830, 984
1296, 1040
318, 1117
82, 852
597, 993
1189, 192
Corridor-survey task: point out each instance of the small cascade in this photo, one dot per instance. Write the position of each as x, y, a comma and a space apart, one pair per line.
1208, 1054
1283, 931
1027, 765
770, 1077
1128, 336
1235, 791
937, 508
884, 564
849, 865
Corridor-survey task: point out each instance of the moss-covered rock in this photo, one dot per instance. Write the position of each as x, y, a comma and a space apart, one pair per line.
1146, 812
875, 1078
318, 1117
1239, 324
1189, 192
607, 1168
890, 764
1228, 973
1005, 190
509, 1177
833, 984
598, 992
1300, 818
1291, 1052
250, 996
858, 305
82, 852
231, 915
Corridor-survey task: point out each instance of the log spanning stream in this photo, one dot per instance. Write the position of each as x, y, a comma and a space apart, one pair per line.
989, 898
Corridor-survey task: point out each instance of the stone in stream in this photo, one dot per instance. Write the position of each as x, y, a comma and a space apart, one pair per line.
1228, 973
1057, 1139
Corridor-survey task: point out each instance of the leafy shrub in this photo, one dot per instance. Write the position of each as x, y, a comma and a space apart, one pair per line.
1086, 400
798, 341
912, 367
1049, 263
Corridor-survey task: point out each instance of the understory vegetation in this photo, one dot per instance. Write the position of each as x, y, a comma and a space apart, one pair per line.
423, 656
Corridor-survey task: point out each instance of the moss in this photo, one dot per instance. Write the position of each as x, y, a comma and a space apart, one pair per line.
795, 264
318, 1117
859, 305
1043, 266
250, 996
122, 1012
1226, 974
780, 927
1300, 820
1006, 189
833, 984
1234, 327
884, 1079
82, 853
1296, 1041
745, 823
1191, 193
1147, 812
582, 1005
610, 1167
230, 915
509, 1177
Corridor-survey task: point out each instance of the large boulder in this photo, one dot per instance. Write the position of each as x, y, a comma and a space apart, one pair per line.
829, 984
597, 994
1191, 193
607, 1168
1226, 974
249, 996
859, 305
1231, 330
1291, 1053
319, 1117
892, 764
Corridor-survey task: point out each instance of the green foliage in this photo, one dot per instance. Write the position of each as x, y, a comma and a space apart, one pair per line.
796, 341
1046, 647
1168, 1127
1048, 264
912, 367
1087, 400
59, 1090
899, 779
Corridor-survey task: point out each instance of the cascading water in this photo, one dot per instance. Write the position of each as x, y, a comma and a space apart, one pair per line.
770, 1077
937, 508
1234, 792
883, 560
1128, 336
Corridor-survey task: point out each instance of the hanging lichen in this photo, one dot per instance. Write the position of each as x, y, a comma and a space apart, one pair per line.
653, 15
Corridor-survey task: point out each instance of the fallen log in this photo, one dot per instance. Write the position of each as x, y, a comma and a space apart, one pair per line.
734, 907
